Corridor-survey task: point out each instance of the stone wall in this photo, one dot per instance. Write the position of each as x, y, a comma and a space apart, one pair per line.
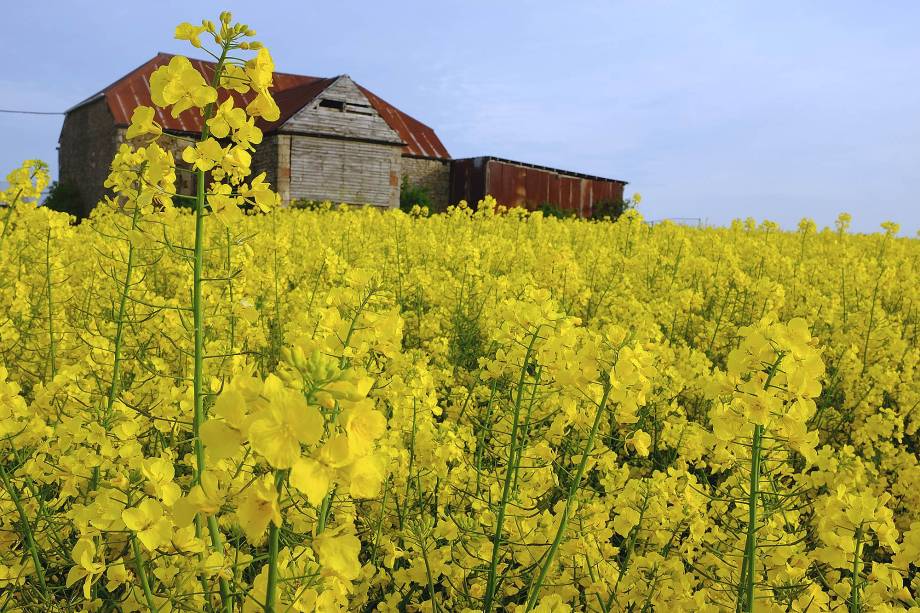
433, 175
86, 147
265, 159
186, 180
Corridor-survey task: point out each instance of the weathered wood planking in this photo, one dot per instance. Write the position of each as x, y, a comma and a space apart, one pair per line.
348, 171
342, 110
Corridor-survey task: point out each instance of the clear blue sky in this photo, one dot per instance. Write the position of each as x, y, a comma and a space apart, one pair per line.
714, 110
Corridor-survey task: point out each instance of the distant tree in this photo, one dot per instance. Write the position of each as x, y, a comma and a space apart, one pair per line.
614, 208
65, 198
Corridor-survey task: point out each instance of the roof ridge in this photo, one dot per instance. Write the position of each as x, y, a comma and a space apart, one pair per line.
366, 91
105, 89
133, 89
278, 72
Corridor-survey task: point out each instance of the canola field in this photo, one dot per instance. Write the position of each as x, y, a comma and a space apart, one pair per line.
239, 406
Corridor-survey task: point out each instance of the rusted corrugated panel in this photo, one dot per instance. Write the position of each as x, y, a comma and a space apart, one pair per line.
529, 186
292, 92
536, 185
467, 181
419, 138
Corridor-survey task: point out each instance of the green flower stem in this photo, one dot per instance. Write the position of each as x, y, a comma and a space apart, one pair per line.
9, 214
434, 603
323, 513
26, 529
569, 500
119, 335
857, 569
274, 533
198, 313
492, 582
52, 348
141, 569
142, 574
749, 563
750, 546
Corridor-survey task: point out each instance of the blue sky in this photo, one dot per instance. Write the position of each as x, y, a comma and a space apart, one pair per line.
712, 110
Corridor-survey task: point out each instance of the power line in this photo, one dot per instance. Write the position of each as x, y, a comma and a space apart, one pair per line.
30, 112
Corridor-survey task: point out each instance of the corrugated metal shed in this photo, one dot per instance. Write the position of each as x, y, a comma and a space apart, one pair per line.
529, 185
292, 92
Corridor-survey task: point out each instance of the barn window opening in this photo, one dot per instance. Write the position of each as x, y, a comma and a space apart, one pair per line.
359, 109
329, 103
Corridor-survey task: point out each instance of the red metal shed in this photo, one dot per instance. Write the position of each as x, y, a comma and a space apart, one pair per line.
529, 185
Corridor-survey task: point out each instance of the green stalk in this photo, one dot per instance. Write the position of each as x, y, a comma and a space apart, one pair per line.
119, 333
749, 563
9, 214
141, 570
750, 546
230, 292
630, 549
142, 574
434, 603
26, 529
492, 582
323, 513
120, 327
857, 569
273, 543
383, 508
570, 498
52, 355
402, 514
198, 313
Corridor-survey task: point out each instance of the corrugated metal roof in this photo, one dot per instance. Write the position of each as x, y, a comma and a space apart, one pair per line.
484, 159
291, 91
420, 139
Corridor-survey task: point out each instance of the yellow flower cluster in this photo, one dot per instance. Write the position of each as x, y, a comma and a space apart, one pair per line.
489, 410
413, 412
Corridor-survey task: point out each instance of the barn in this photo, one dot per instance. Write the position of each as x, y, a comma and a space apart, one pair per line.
335, 140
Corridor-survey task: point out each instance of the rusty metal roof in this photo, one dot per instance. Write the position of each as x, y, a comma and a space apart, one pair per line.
484, 159
291, 92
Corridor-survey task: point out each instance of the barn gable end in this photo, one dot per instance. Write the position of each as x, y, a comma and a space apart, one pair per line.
341, 110
339, 149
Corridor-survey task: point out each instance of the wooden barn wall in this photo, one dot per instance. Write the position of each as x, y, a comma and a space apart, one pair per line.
356, 119
352, 172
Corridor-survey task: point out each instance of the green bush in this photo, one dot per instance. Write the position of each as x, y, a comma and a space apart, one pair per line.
550, 209
65, 198
610, 208
411, 194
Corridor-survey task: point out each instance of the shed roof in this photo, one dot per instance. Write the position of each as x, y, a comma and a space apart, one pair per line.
291, 92
568, 173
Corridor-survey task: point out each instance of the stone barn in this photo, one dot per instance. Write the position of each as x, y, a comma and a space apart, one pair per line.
334, 140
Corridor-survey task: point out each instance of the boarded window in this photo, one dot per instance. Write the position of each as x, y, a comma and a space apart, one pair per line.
329, 103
